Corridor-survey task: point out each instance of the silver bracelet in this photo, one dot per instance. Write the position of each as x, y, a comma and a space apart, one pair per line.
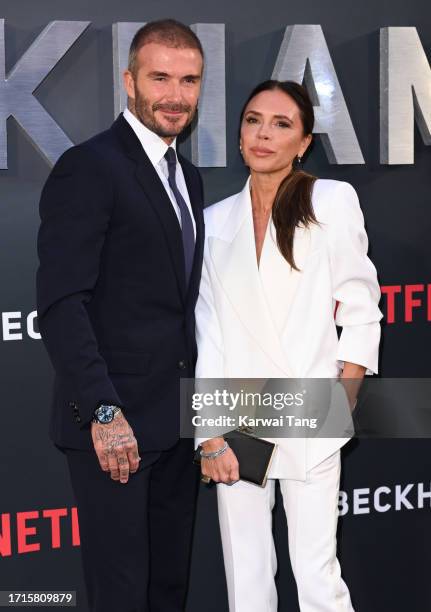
213, 454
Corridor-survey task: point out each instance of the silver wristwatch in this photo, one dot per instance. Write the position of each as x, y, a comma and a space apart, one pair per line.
105, 413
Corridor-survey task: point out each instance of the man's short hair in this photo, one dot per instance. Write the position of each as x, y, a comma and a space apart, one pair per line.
167, 32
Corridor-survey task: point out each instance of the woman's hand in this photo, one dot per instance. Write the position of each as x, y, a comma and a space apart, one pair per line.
224, 468
351, 379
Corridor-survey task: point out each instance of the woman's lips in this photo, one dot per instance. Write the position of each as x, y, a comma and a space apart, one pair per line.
261, 152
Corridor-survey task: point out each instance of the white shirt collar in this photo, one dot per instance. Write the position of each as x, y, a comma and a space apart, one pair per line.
152, 144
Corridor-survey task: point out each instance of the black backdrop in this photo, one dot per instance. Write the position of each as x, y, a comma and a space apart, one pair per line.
385, 554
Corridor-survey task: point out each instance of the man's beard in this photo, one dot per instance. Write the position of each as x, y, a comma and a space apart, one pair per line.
145, 114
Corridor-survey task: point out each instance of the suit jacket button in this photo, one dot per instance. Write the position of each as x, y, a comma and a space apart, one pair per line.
182, 365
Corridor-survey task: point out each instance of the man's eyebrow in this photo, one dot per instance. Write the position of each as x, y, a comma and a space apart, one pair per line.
157, 73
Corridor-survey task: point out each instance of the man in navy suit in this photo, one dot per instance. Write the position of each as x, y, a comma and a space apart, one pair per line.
120, 248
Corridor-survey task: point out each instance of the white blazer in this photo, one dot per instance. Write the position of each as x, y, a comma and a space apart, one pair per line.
274, 322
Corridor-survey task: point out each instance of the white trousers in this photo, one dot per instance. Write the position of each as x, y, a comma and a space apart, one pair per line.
311, 506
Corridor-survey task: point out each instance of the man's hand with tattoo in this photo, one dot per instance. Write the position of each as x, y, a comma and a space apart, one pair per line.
116, 447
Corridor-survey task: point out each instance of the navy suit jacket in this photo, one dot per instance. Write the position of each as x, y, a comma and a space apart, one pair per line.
113, 308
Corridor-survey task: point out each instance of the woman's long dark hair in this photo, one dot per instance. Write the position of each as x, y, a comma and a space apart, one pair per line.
292, 204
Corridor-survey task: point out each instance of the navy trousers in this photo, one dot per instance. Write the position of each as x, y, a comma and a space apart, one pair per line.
136, 537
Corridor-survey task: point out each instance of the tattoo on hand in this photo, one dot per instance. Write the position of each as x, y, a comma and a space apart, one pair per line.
115, 434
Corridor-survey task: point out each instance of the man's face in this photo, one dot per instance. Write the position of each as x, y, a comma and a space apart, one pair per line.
164, 91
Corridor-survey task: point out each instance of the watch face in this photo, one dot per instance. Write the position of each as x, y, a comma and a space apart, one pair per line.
105, 414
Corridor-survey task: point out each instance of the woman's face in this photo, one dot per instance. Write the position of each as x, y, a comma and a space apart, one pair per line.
272, 132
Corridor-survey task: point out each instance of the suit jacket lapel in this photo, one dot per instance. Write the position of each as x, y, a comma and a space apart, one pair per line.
234, 259
281, 283
156, 196
287, 290
162, 206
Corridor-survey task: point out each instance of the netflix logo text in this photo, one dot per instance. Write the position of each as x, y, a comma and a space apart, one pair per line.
406, 303
34, 530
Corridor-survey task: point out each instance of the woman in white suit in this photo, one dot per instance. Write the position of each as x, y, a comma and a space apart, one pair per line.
285, 262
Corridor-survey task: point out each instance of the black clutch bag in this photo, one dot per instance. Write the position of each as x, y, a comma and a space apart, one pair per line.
254, 455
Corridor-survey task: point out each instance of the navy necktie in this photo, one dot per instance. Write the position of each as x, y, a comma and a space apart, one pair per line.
187, 231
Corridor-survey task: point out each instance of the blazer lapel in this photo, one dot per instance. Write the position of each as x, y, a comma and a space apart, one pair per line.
288, 291
235, 263
162, 206
281, 283
157, 198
